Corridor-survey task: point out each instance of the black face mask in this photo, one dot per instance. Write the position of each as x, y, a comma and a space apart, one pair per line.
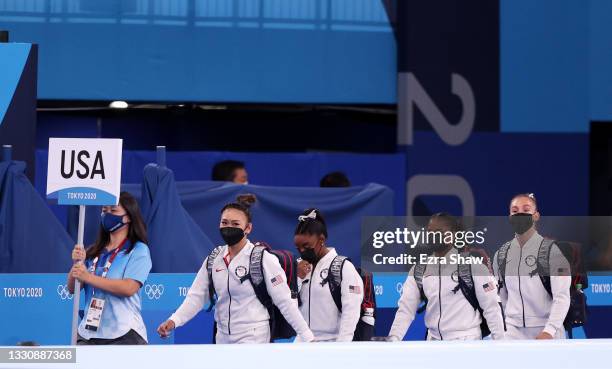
231, 235
521, 222
309, 255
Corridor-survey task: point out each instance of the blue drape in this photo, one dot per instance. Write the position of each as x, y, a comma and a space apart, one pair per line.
176, 242
31, 237
274, 215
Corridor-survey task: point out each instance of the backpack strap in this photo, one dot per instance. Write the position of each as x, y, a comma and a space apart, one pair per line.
419, 271
465, 282
256, 275
543, 264
209, 267
334, 278
502, 254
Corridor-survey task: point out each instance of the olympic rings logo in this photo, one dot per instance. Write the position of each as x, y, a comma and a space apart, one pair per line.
154, 291
62, 291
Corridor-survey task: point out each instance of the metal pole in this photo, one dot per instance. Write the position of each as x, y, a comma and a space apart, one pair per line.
77, 284
7, 152
161, 156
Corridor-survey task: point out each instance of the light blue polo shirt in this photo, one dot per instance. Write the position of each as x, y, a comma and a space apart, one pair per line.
120, 313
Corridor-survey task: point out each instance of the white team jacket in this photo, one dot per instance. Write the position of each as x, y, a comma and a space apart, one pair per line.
526, 302
449, 315
318, 307
237, 309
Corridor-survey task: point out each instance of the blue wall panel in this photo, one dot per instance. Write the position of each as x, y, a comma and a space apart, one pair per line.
600, 59
543, 66
210, 50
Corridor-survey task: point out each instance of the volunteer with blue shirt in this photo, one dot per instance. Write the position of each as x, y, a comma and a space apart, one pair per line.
115, 268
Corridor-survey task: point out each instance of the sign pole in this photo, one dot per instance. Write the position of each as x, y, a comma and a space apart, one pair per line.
77, 283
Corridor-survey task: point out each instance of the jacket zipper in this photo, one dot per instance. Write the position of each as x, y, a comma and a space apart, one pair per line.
309, 296
519, 278
229, 310
440, 298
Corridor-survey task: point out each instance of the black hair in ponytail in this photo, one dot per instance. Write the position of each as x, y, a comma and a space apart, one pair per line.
311, 222
243, 203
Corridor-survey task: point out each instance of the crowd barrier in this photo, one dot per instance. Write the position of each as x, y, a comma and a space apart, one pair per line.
37, 307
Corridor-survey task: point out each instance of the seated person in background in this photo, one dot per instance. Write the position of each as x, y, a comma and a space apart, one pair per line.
230, 171
335, 179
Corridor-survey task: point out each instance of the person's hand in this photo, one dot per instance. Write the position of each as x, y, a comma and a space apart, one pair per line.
80, 273
544, 336
166, 328
78, 253
303, 269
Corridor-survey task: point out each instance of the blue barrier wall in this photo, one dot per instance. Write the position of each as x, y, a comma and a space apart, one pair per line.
40, 308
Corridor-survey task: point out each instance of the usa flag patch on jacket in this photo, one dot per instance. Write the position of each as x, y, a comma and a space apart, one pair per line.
277, 280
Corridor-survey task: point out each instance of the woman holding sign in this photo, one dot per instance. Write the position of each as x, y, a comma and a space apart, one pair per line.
115, 267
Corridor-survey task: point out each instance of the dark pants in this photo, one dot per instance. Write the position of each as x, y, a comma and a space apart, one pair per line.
130, 338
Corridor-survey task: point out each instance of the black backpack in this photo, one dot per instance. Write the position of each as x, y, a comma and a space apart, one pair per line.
363, 330
577, 313
465, 284
279, 327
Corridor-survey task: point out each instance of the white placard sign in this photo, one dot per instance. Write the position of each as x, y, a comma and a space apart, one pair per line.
84, 171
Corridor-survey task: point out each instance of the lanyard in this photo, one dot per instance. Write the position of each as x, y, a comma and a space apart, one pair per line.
109, 261
107, 265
